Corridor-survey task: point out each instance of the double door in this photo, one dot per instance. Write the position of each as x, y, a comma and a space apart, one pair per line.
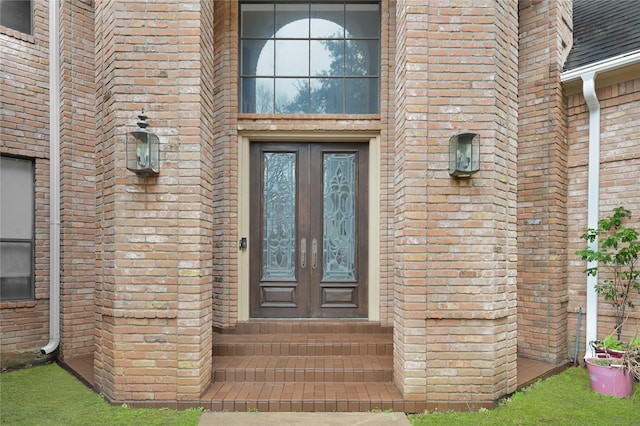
309, 230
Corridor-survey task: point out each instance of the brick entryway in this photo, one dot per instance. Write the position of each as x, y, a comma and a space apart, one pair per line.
311, 366
304, 366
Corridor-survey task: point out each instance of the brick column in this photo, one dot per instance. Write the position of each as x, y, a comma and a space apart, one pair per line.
153, 338
455, 239
77, 186
545, 41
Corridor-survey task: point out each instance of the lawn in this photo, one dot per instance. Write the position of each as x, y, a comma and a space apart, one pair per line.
50, 395
564, 399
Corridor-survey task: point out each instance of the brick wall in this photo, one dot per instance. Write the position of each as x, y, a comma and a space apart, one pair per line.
77, 178
224, 158
387, 154
455, 239
24, 132
154, 243
545, 40
228, 123
619, 177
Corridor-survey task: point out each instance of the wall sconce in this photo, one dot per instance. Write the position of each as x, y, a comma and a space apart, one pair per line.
464, 154
143, 150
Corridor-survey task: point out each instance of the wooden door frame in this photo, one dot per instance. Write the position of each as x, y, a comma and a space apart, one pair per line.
244, 141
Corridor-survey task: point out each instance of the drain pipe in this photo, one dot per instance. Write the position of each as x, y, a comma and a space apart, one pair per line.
588, 75
54, 179
593, 203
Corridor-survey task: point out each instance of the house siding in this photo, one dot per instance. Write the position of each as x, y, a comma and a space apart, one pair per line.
77, 179
619, 177
545, 41
24, 132
455, 239
473, 272
154, 247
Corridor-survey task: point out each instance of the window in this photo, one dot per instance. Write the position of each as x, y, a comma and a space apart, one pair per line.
308, 57
16, 228
16, 14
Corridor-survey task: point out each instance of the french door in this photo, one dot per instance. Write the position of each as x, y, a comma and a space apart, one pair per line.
309, 230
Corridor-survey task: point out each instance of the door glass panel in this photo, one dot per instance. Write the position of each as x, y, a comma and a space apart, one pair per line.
339, 228
279, 198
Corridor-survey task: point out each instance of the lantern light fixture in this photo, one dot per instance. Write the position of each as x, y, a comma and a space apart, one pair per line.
464, 154
143, 149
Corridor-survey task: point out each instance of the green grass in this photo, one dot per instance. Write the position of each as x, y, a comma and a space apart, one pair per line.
49, 395
565, 399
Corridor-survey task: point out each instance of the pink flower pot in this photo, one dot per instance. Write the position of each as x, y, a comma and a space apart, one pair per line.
609, 380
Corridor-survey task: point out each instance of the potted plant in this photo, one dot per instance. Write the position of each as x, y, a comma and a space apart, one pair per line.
618, 254
610, 376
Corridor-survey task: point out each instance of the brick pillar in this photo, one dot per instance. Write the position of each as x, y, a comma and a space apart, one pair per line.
222, 51
77, 172
153, 338
545, 41
455, 239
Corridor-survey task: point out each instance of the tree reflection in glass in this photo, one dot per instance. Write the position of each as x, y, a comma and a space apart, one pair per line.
313, 63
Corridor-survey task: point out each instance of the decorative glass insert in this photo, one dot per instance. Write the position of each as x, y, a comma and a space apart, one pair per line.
310, 57
279, 216
339, 229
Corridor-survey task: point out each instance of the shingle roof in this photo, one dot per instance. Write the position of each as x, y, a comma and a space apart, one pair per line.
603, 29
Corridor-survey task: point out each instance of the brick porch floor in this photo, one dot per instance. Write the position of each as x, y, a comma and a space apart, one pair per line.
317, 366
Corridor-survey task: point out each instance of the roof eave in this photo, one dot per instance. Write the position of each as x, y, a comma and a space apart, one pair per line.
620, 61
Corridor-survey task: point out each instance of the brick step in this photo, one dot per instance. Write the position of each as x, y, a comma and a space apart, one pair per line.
314, 344
316, 397
305, 327
302, 369
303, 366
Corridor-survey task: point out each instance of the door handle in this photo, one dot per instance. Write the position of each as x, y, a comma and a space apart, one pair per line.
303, 253
314, 253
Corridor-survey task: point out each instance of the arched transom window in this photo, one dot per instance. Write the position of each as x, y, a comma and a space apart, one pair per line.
310, 57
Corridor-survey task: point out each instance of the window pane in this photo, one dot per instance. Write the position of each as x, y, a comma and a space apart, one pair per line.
311, 49
257, 58
362, 96
327, 58
16, 288
257, 95
362, 21
16, 261
292, 21
16, 203
326, 95
16, 14
292, 95
257, 20
362, 57
327, 21
292, 58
